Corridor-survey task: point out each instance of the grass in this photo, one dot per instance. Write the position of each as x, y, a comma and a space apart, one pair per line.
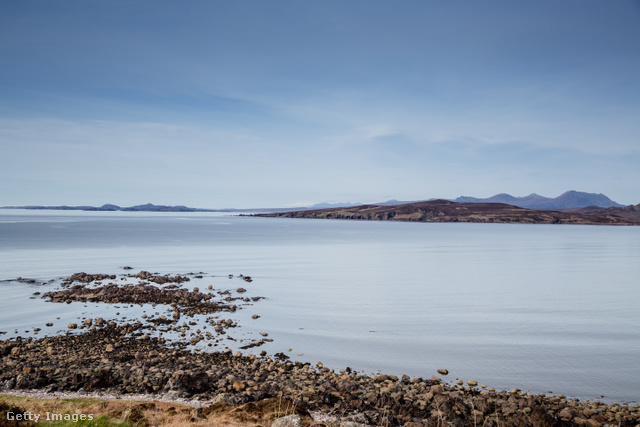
122, 413
101, 421
56, 412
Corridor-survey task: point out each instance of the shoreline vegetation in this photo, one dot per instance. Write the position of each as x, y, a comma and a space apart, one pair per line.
97, 366
448, 211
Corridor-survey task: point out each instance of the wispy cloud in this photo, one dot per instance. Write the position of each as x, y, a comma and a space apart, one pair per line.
229, 104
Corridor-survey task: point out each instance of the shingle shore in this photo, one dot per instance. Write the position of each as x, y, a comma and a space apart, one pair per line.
123, 359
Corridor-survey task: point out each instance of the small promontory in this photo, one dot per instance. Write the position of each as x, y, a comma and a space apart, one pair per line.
448, 211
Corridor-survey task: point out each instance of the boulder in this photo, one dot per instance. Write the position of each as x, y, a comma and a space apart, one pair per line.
288, 421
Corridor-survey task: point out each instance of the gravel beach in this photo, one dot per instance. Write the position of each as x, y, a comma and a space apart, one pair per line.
99, 357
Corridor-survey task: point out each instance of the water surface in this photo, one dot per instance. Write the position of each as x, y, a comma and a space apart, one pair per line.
536, 307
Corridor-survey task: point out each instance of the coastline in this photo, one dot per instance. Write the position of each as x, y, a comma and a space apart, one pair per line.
445, 211
102, 358
106, 362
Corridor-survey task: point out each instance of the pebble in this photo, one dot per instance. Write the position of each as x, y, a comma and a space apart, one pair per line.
147, 365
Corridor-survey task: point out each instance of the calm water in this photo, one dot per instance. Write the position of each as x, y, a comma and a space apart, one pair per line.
537, 307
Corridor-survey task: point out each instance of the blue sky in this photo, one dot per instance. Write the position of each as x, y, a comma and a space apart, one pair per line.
288, 103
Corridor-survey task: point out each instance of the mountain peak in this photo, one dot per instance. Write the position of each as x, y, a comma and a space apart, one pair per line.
567, 200
579, 199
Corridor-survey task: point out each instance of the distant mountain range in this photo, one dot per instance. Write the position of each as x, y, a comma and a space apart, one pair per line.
568, 200
149, 207
109, 207
324, 205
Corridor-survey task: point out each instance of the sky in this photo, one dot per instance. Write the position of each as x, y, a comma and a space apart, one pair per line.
220, 104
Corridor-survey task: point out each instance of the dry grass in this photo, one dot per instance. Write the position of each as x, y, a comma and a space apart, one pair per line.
154, 413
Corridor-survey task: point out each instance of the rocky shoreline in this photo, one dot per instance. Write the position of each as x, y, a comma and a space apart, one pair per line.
128, 359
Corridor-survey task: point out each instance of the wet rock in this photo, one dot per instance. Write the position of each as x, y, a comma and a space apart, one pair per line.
183, 300
145, 275
565, 414
437, 389
87, 278
128, 358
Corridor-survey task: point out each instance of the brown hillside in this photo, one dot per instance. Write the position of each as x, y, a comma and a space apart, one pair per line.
447, 211
631, 212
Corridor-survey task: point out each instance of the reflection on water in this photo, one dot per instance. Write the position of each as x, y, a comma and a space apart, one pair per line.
537, 307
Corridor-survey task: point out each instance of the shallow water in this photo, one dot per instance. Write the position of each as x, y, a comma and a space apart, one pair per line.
536, 307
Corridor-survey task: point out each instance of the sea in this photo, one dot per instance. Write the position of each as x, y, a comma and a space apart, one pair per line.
549, 309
